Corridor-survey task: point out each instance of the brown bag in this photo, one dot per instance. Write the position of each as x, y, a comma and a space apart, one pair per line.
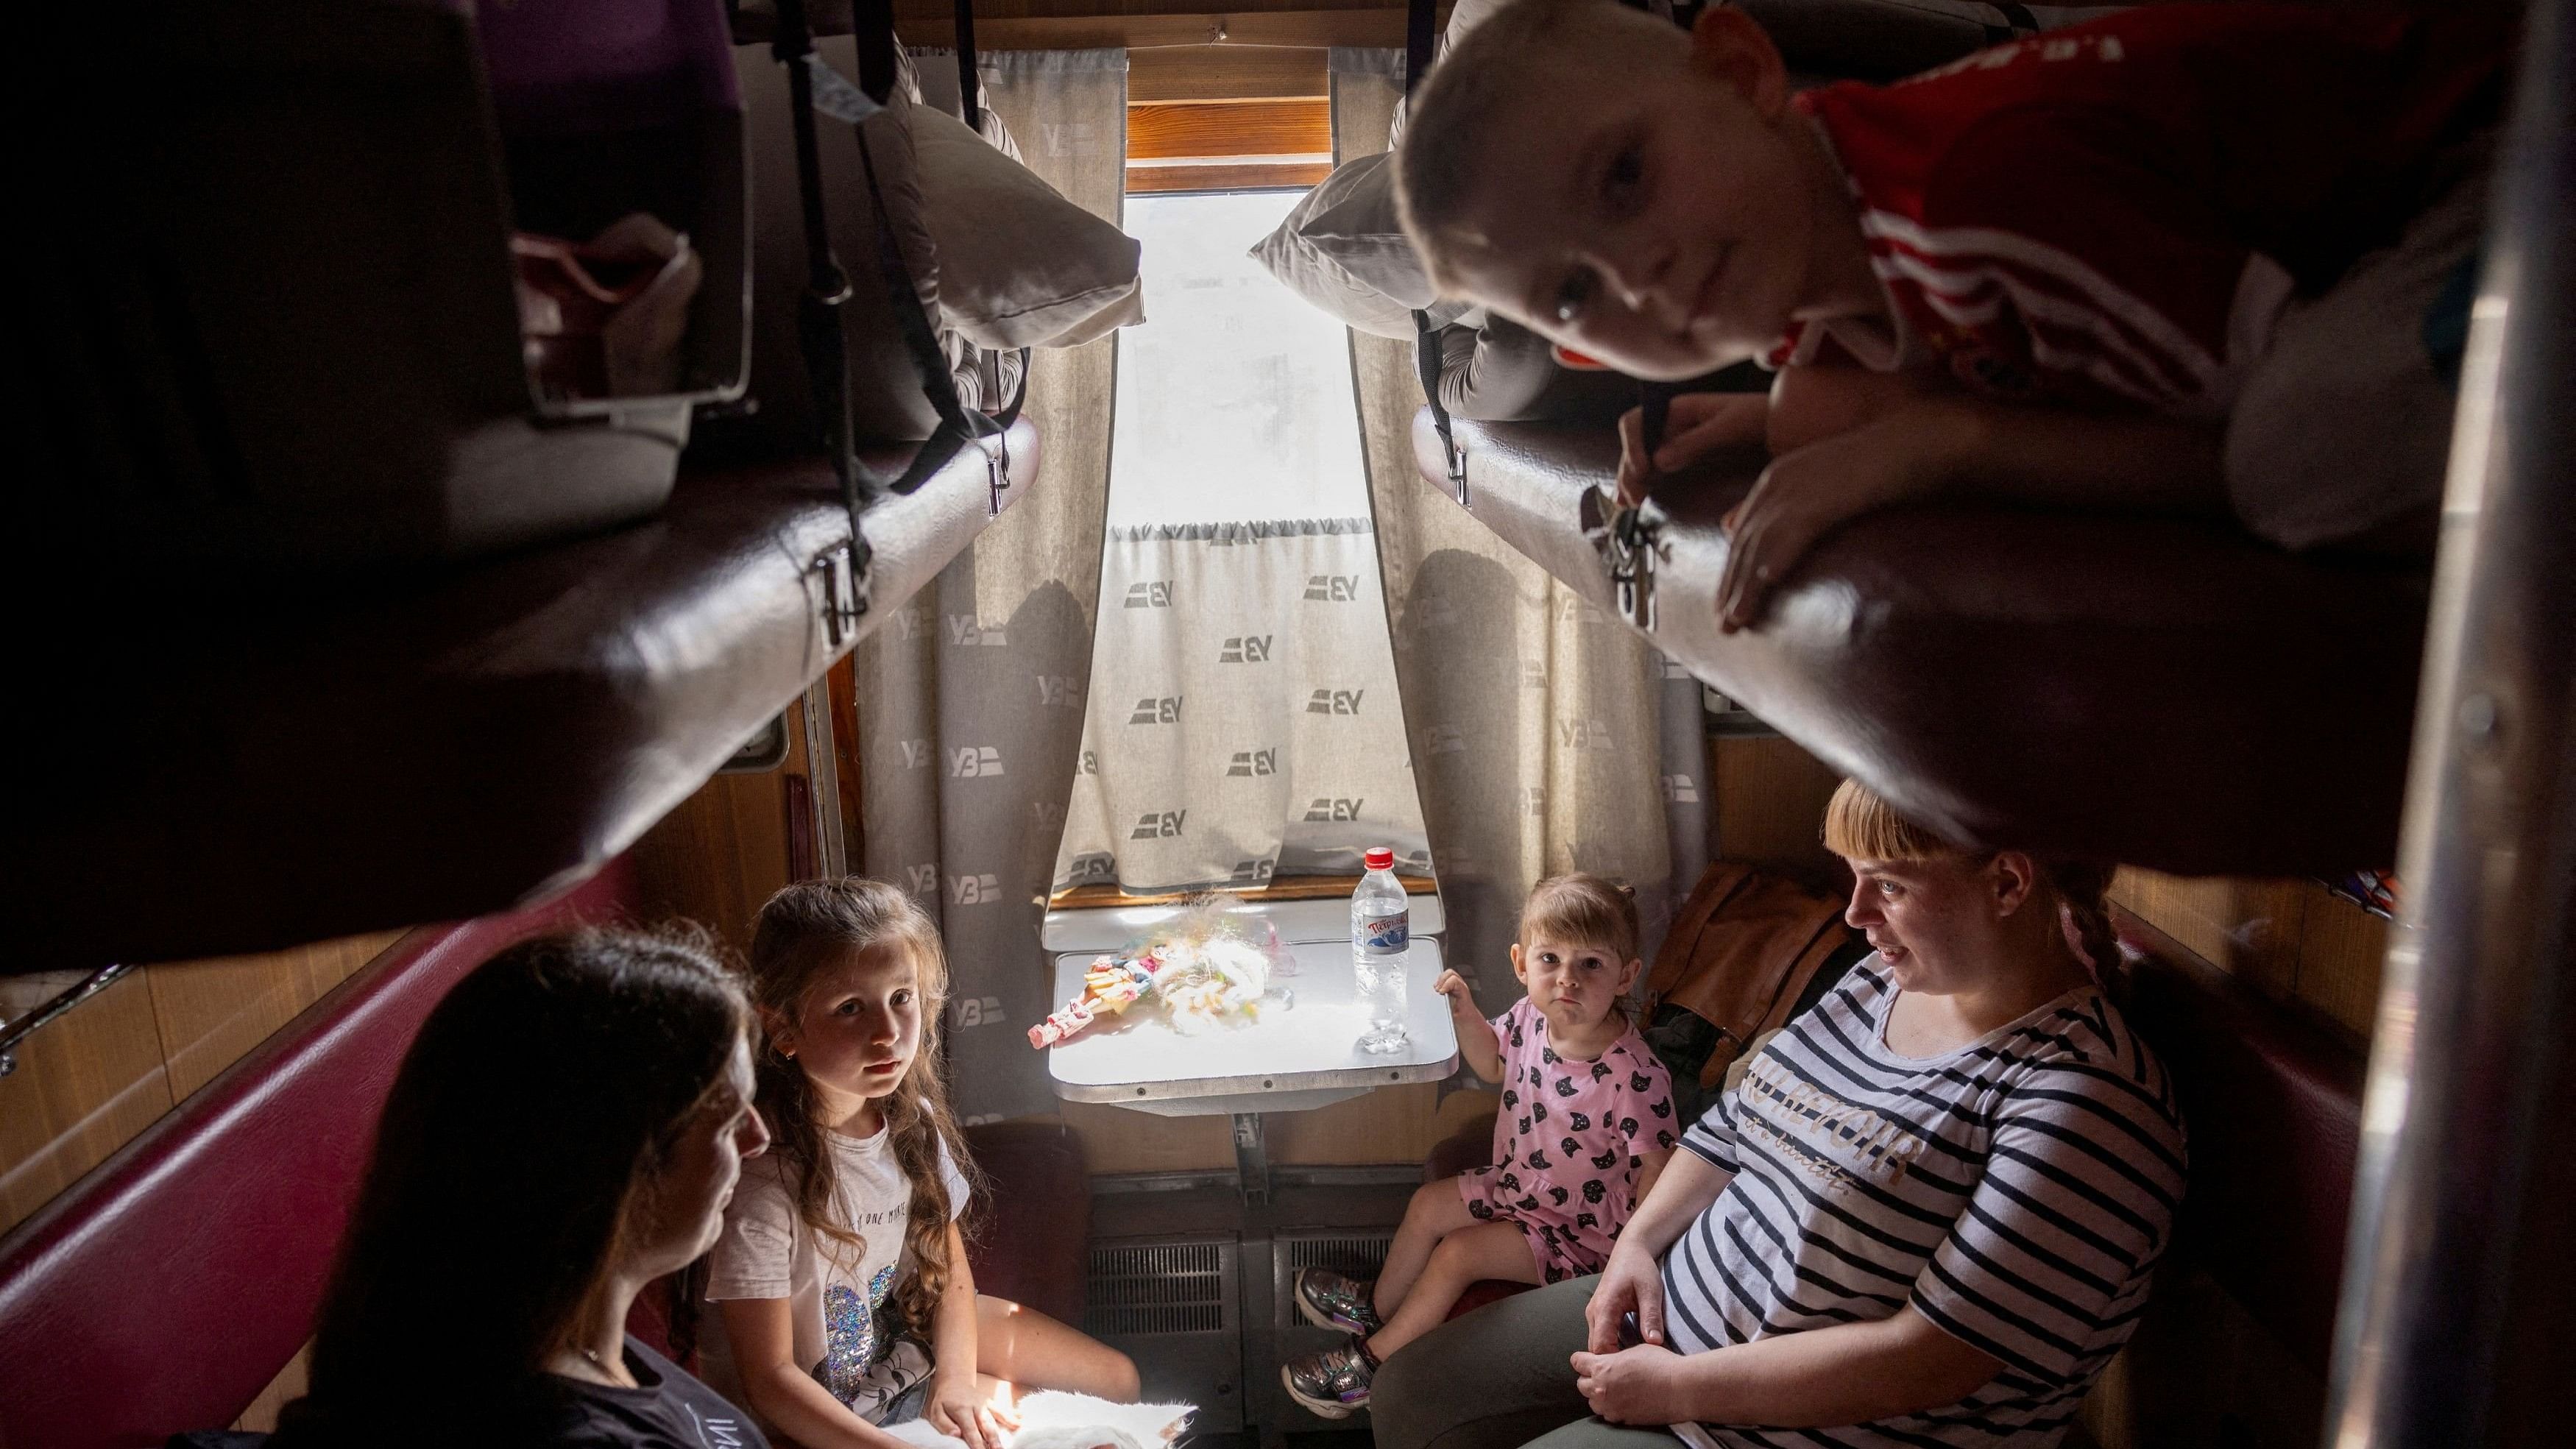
1740, 953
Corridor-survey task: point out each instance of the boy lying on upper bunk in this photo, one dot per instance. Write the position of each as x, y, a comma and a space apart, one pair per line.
2181, 258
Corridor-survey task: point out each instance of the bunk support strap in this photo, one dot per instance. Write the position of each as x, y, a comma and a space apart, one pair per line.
2459, 1294
1421, 21
818, 312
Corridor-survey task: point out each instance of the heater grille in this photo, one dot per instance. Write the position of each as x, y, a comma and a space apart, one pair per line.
1172, 1286
1358, 1252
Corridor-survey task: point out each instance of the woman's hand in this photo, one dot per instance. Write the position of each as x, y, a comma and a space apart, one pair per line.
959, 1408
1640, 1385
1700, 423
1807, 494
1631, 1282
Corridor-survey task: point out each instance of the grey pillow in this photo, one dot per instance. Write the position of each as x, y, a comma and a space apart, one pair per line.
1340, 248
1019, 266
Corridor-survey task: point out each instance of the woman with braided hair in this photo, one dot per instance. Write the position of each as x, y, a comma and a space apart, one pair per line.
1928, 1214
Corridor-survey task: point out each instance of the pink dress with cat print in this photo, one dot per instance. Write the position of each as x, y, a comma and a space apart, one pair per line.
1569, 1142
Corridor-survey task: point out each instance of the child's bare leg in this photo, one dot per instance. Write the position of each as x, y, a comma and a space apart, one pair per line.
1437, 1210
1026, 1348
1487, 1250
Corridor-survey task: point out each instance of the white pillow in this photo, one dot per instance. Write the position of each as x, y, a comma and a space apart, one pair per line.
1019, 266
1341, 249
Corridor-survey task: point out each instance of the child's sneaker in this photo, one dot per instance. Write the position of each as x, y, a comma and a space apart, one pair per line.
1331, 1383
1338, 1300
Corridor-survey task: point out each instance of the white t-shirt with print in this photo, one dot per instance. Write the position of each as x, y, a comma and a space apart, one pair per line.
841, 1311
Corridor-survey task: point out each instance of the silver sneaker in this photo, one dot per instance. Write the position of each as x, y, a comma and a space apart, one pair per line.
1337, 1300
1331, 1383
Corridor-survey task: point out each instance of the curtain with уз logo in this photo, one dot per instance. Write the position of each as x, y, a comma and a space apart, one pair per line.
1547, 735
1243, 720
971, 694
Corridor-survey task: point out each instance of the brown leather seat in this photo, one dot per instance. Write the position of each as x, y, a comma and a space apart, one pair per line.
2155, 691
284, 768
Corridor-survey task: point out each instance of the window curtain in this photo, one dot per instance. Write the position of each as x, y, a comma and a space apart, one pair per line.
1547, 735
971, 696
1246, 722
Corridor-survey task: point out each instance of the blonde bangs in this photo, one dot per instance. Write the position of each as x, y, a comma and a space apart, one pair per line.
1582, 910
1861, 825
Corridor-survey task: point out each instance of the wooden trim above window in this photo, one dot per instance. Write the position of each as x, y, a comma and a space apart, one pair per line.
1228, 73
1227, 176
1373, 26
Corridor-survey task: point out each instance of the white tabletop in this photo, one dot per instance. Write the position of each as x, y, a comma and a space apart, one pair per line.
1289, 1057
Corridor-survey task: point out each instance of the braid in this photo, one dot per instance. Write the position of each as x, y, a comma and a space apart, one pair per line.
2080, 885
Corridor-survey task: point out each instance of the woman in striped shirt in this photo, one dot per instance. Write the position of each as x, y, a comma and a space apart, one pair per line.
1926, 1215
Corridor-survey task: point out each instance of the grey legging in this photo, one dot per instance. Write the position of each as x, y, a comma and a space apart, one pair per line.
1499, 1378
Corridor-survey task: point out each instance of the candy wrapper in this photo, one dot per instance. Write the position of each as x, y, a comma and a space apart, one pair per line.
1204, 967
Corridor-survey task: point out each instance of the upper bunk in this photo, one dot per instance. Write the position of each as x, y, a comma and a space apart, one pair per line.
409, 547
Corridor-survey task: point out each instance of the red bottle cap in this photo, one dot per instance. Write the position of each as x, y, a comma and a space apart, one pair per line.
1380, 858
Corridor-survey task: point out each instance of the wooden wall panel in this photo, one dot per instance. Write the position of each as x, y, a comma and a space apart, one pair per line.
211, 1013
1319, 24
289, 1385
1769, 806
720, 854
1395, 1125
84, 1087
2342, 949
2248, 927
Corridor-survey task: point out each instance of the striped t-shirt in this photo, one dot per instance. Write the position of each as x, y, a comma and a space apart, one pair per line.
2017, 1192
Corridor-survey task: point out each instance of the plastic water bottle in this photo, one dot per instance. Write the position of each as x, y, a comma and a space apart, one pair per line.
1381, 935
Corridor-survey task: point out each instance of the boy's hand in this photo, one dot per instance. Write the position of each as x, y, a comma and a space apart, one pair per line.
1700, 423
1809, 493
1638, 1385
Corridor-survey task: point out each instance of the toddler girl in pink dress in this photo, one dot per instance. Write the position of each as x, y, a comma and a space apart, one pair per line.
1586, 1124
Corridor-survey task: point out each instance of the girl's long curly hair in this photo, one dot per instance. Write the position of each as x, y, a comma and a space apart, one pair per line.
801, 930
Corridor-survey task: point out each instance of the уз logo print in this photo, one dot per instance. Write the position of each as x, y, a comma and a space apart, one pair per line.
923, 879
1248, 763
1058, 691
1332, 588
1334, 701
963, 630
1165, 709
1093, 865
1150, 594
1681, 790
1252, 872
916, 753
1444, 740
1334, 808
1584, 734
974, 762
968, 1011
1245, 649
1158, 824
975, 890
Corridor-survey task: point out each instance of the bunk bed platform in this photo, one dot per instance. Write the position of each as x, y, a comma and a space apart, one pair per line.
296, 766
2159, 692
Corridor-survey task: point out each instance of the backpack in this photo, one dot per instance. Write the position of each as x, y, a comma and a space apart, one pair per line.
1747, 952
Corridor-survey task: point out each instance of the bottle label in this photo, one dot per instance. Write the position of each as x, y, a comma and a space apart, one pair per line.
1385, 935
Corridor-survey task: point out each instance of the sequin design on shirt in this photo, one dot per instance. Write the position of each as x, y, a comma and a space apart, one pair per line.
850, 1335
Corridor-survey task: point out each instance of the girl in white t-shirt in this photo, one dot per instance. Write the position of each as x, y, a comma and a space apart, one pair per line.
843, 1293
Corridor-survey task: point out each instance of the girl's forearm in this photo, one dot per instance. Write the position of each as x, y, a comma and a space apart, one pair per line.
2052, 457
1478, 1044
952, 1323
1850, 1373
806, 1412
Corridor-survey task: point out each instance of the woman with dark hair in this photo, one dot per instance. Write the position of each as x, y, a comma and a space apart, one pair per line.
567, 1128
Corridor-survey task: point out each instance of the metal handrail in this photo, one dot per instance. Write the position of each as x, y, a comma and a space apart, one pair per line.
28, 1025
2461, 1253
